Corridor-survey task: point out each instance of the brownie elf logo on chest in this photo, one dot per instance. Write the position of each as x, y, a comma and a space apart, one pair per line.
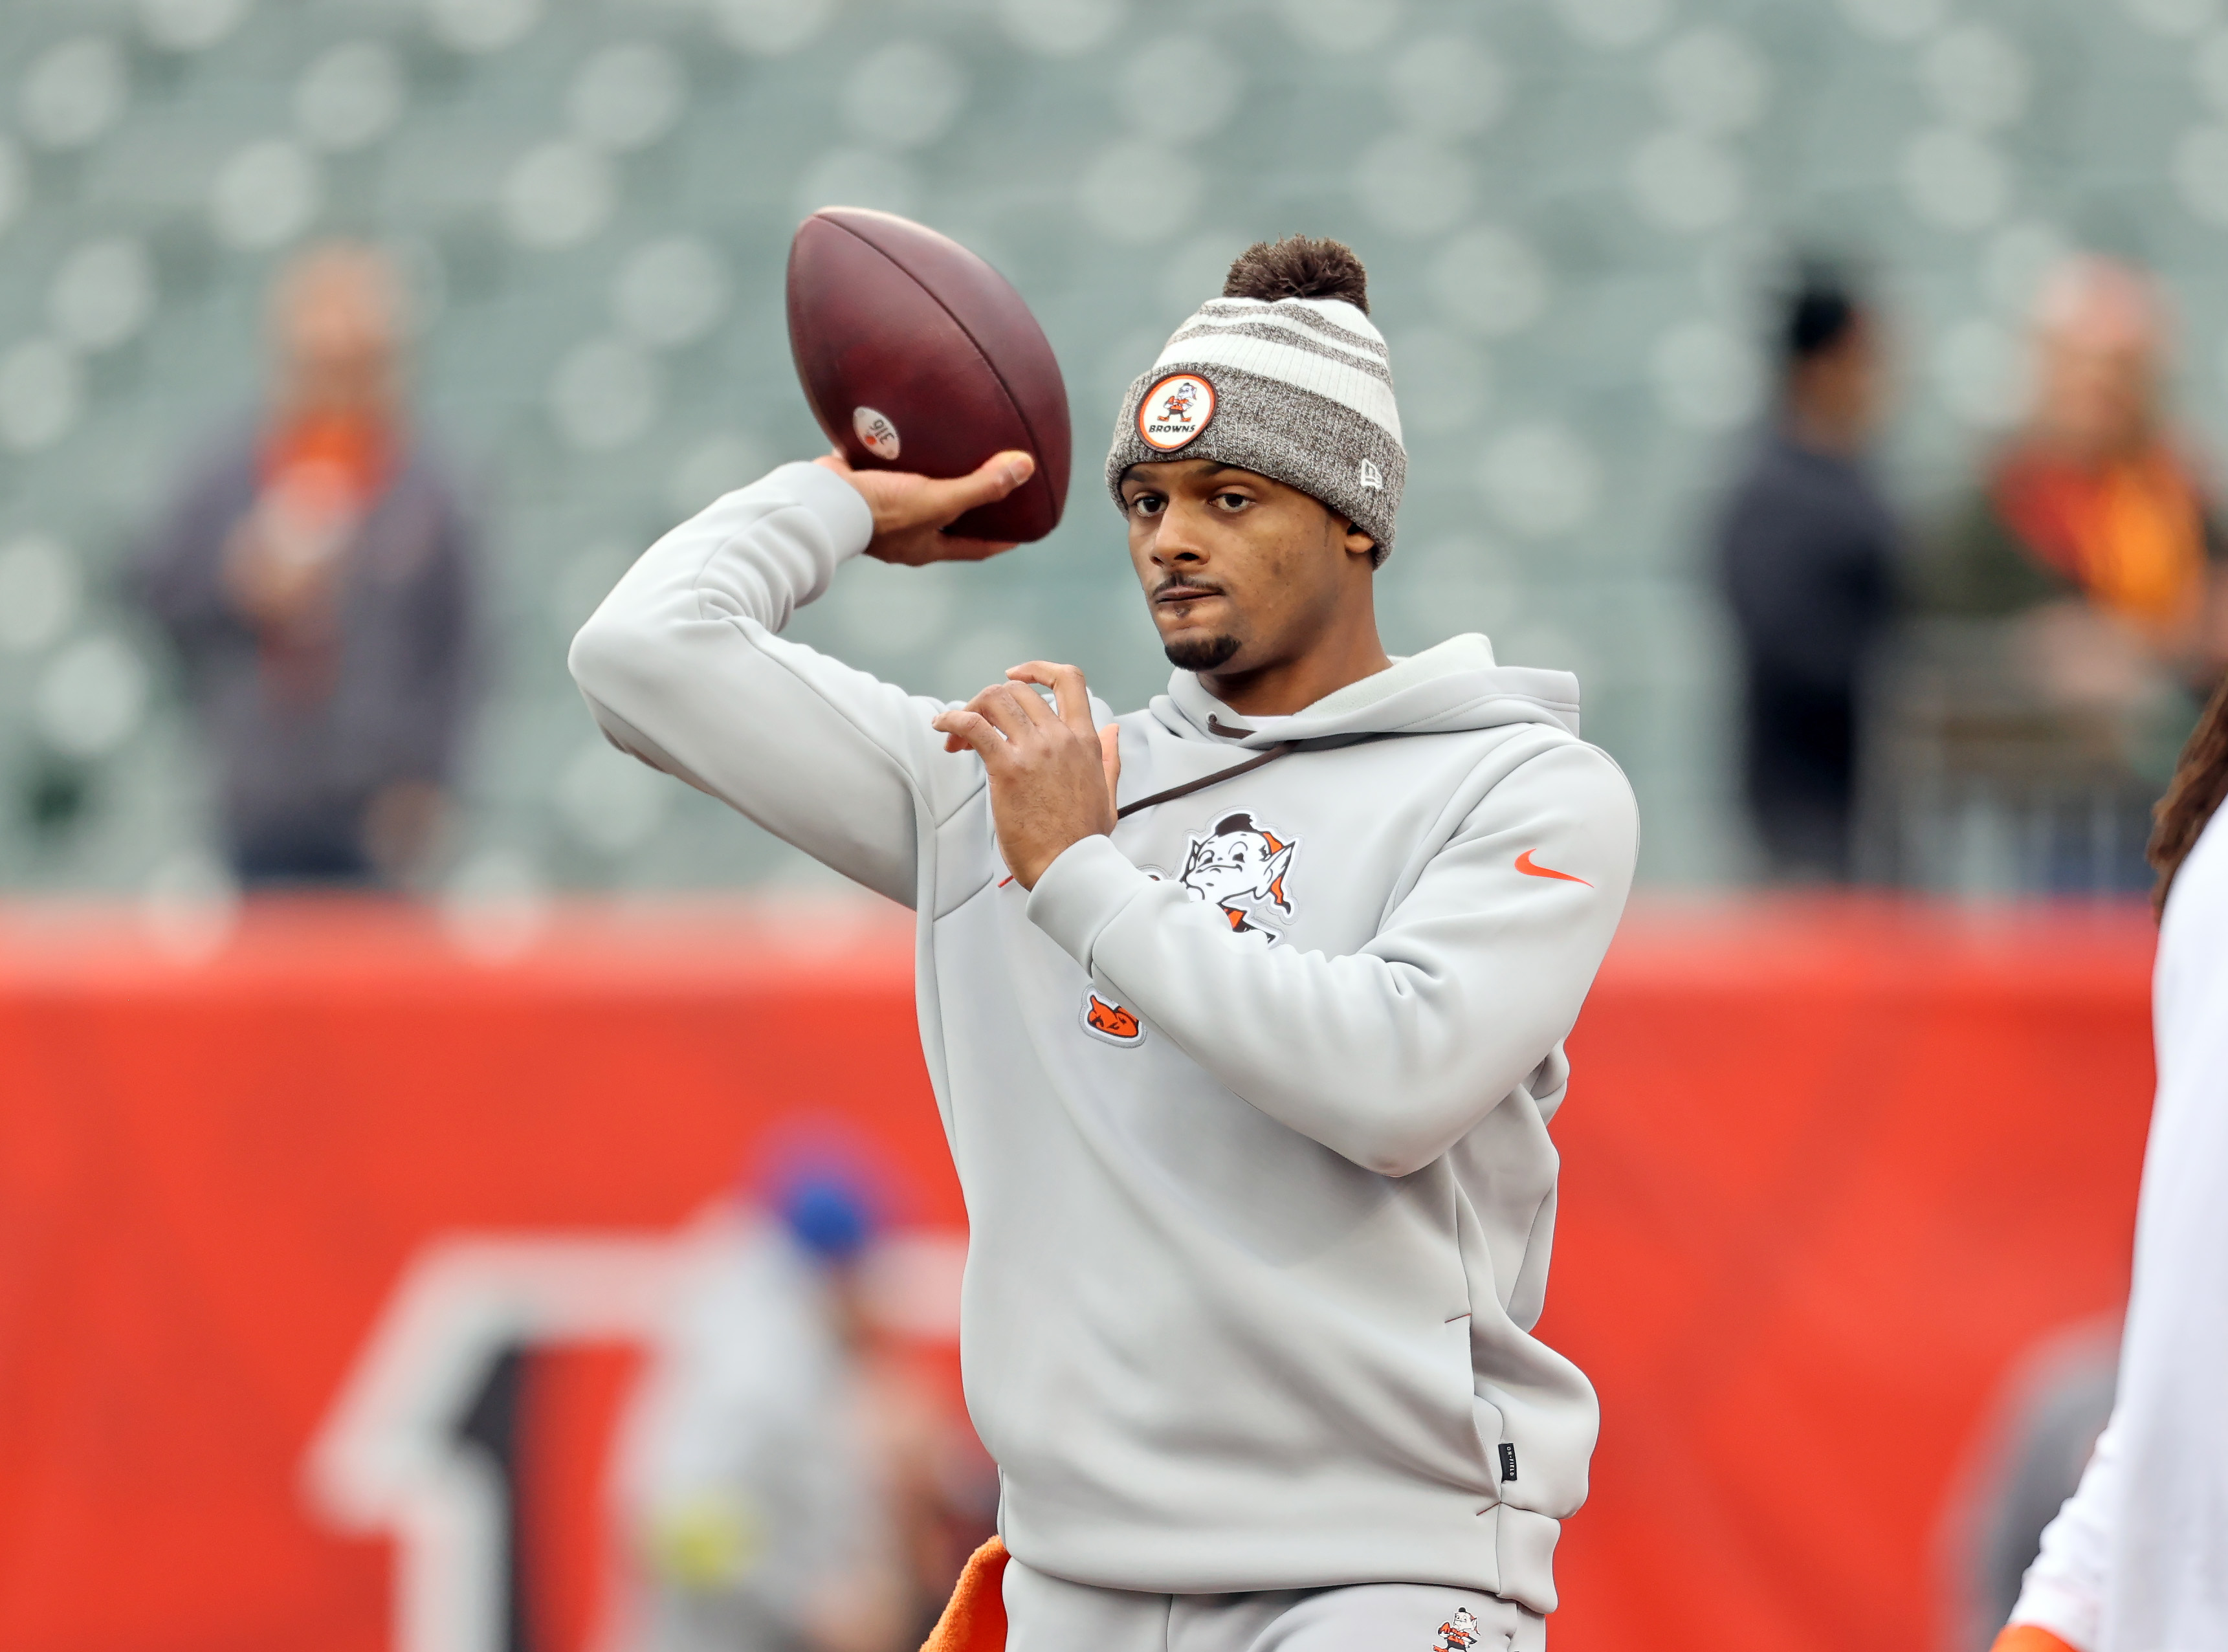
1240, 867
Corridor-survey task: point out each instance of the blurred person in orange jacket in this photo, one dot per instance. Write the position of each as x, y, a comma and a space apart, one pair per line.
317, 575
2137, 1559
2091, 528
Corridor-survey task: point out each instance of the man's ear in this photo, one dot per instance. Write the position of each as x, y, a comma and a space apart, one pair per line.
1358, 543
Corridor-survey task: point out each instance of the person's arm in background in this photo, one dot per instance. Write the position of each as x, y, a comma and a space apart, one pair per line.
2061, 1604
1760, 557
684, 668
1972, 567
453, 644
425, 722
178, 574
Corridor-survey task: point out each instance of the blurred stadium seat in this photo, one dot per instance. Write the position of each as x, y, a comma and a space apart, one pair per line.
1566, 204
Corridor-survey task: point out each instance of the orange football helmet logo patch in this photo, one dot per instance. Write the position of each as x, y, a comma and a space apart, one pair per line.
1110, 1021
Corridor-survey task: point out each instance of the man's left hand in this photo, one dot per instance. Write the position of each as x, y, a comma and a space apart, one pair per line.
1052, 774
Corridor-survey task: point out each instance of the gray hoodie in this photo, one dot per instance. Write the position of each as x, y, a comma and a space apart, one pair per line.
1249, 1101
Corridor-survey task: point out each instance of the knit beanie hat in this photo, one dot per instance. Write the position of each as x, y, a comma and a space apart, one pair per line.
1282, 376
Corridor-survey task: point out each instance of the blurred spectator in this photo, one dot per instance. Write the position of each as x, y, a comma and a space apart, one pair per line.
786, 1483
1806, 547
2090, 524
317, 578
2090, 560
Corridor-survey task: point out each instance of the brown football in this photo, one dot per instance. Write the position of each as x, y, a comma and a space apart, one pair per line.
917, 355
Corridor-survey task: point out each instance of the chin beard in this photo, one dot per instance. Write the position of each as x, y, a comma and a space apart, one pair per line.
1201, 653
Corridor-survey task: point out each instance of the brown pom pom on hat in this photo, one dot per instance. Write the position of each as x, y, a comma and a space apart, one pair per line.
1298, 266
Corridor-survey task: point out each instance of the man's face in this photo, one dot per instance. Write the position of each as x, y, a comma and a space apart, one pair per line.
2097, 392
1844, 385
1239, 572
338, 337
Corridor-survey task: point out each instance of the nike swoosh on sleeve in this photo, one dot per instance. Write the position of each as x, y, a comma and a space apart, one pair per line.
1531, 868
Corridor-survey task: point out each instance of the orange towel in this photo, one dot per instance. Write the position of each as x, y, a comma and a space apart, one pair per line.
2016, 1638
975, 1617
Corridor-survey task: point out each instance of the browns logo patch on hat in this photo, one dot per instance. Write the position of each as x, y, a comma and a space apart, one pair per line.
1175, 411
1283, 374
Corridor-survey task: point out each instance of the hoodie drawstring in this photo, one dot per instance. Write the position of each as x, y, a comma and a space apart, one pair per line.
1200, 784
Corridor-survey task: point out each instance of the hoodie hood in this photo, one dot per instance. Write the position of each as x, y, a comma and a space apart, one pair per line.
1452, 687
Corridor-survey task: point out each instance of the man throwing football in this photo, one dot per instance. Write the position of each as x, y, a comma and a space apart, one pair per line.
1245, 1011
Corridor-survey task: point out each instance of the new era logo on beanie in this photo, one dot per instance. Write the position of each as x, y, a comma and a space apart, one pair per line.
1283, 375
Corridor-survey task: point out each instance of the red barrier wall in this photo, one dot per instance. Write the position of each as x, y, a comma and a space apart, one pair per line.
1828, 1169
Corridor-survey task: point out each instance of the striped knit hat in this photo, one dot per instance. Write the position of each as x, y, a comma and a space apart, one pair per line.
1282, 376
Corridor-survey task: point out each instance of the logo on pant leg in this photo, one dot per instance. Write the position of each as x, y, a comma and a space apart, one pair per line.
1459, 1633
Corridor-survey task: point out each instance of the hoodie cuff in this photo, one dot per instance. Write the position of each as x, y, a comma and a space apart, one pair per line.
841, 509
1082, 892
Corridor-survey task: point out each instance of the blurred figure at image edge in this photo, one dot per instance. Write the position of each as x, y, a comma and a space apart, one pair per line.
2135, 1559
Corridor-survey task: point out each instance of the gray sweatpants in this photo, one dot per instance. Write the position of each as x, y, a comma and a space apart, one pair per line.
1045, 1614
